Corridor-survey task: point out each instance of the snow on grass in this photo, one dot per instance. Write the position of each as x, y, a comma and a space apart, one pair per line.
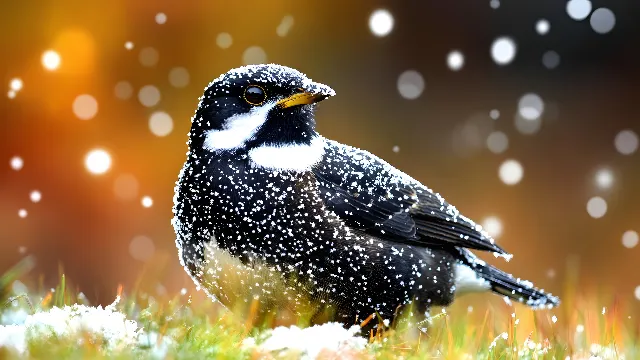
310, 342
107, 327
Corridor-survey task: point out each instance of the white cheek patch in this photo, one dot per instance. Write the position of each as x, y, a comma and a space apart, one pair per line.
468, 281
292, 157
238, 129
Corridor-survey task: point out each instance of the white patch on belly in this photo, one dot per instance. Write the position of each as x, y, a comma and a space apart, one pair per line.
467, 280
238, 129
293, 157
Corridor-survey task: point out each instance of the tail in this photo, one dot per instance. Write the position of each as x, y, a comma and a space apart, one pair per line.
498, 281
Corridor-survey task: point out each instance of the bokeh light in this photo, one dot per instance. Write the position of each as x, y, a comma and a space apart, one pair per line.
604, 178
579, 9
497, 142
527, 127
551, 59
224, 40
410, 84
530, 106
11, 94
149, 57
626, 142
35, 196
161, 18
630, 239
85, 107
128, 45
16, 84
503, 50
16, 163
602, 20
637, 293
123, 90
493, 226
141, 248
254, 55
126, 187
543, 26
511, 172
395, 149
97, 161
149, 95
147, 201
381, 22
22, 213
285, 26
179, 77
596, 207
51, 60
455, 60
494, 4
494, 114
160, 123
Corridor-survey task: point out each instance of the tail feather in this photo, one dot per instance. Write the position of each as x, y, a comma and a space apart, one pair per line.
506, 284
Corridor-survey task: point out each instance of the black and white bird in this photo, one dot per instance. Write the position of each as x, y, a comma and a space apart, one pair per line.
269, 212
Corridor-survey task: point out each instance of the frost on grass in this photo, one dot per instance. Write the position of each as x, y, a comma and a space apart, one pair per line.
106, 327
309, 342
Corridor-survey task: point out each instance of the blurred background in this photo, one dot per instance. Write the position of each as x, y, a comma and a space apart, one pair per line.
523, 114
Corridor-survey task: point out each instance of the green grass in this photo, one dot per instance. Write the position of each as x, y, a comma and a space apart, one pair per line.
205, 330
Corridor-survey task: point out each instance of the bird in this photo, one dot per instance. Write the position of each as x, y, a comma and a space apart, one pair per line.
272, 218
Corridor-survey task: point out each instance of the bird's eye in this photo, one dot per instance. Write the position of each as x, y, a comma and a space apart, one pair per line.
255, 95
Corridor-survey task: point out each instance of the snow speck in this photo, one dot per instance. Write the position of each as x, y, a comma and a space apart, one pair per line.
22, 213
35, 196
604, 178
141, 248
97, 161
224, 40
630, 239
410, 84
626, 142
579, 9
602, 20
455, 60
494, 114
85, 107
128, 45
149, 57
497, 142
149, 95
554, 319
51, 60
179, 77
16, 163
596, 207
160, 123
550, 59
503, 50
183, 291
579, 328
147, 201
381, 22
543, 26
126, 187
511, 172
16, 84
285, 26
123, 90
161, 18
530, 106
493, 226
254, 55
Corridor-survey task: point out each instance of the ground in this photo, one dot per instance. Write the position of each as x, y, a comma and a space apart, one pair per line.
61, 324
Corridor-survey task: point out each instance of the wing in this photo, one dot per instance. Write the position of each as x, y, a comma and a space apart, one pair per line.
370, 195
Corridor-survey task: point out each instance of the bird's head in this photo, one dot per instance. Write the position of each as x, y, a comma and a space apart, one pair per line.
256, 105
